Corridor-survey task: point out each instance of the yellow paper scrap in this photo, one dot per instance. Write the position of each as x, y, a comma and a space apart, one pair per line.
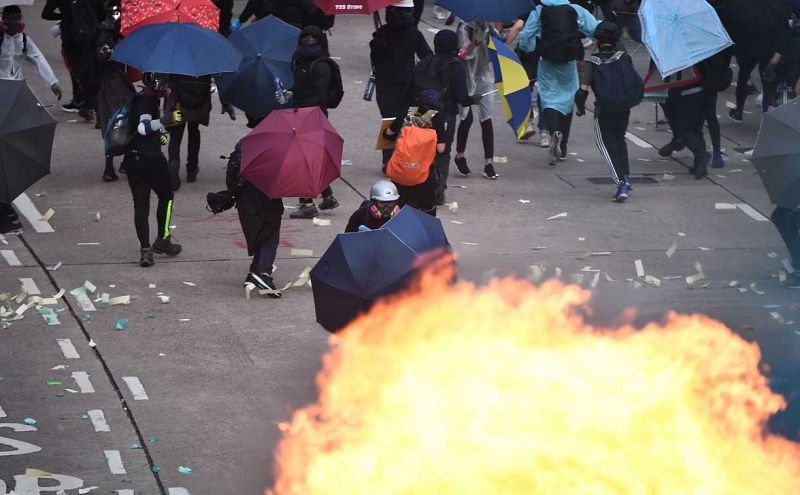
639, 268
695, 278
164, 299
754, 289
22, 309
97, 217
322, 222
672, 249
302, 252
119, 300
733, 283
303, 278
37, 473
453, 207
585, 256
560, 215
652, 280
742, 290
248, 288
500, 159
60, 294
190, 284
777, 317
265, 292
90, 286
54, 267
772, 255
48, 215
725, 206
537, 273
667, 175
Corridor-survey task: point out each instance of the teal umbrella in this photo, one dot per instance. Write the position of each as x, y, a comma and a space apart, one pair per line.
681, 33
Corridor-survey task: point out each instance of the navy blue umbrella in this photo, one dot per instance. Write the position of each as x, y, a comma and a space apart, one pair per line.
178, 48
420, 231
356, 270
267, 46
487, 10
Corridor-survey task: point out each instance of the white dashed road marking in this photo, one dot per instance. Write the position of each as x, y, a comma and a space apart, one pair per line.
68, 349
637, 140
10, 256
32, 214
82, 379
752, 212
30, 287
125, 492
115, 462
98, 420
136, 388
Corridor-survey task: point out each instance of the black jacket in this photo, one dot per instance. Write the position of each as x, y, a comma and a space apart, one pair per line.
392, 52
362, 216
311, 89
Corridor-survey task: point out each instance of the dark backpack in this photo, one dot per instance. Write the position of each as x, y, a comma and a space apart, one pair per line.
716, 71
335, 87
560, 41
431, 76
616, 84
119, 131
86, 24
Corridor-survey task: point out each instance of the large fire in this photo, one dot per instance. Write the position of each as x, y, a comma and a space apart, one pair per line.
455, 390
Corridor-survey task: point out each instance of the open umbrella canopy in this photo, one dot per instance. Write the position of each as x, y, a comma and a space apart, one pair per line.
138, 13
681, 33
292, 153
356, 270
512, 81
267, 47
487, 10
777, 154
178, 48
418, 230
338, 7
26, 139
6, 3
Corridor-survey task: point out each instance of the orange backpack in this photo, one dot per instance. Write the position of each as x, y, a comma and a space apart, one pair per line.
413, 156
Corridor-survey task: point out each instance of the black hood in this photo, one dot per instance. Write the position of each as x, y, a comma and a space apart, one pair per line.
317, 33
446, 43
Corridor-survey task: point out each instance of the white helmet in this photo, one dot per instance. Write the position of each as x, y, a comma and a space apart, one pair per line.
384, 190
404, 3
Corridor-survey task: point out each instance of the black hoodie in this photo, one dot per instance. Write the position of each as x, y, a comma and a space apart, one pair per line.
311, 90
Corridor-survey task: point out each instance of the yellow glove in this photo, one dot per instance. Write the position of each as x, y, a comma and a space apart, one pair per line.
164, 139
172, 118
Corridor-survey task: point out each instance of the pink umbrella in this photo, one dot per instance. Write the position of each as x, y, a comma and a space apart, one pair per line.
292, 153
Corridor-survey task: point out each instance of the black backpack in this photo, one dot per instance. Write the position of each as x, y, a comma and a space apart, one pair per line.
560, 41
119, 131
432, 74
716, 71
335, 87
87, 25
616, 84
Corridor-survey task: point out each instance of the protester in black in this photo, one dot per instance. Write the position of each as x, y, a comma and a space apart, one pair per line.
787, 221
685, 109
260, 217
393, 52
147, 168
192, 95
313, 72
623, 13
225, 16
381, 207
300, 13
443, 72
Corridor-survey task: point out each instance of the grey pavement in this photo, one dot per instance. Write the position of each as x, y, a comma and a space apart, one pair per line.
203, 381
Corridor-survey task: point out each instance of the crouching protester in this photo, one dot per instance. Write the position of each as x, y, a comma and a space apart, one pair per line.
381, 207
422, 141
147, 168
260, 217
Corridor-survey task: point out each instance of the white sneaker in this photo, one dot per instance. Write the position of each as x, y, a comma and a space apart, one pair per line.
530, 131
544, 139
440, 13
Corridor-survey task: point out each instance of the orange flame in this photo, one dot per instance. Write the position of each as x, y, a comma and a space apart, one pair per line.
454, 390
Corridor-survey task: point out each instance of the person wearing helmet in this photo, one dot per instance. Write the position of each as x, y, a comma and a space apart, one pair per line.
380, 208
147, 168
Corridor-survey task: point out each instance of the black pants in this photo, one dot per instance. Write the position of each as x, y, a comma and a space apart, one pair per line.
421, 196
487, 135
442, 160
746, 66
328, 192
610, 129
788, 223
686, 115
193, 150
225, 15
419, 6
712, 121
557, 121
145, 174
266, 254
388, 97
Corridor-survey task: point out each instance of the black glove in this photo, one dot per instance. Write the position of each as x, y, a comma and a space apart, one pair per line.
476, 98
580, 102
390, 137
769, 74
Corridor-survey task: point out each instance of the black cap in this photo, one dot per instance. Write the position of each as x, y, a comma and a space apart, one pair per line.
607, 32
446, 43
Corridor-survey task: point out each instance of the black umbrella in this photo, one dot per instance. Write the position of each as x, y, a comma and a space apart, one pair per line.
756, 26
777, 154
26, 139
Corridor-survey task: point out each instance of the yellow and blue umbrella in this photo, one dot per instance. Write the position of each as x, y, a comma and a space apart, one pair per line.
513, 85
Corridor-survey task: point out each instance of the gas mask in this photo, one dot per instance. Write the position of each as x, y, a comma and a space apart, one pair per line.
383, 210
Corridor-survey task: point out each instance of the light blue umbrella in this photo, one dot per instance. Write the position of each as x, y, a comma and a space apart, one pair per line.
681, 33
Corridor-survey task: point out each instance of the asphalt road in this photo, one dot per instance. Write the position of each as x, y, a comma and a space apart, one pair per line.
201, 382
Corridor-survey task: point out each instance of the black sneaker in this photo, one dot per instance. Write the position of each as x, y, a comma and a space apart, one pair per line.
736, 115
461, 166
563, 156
228, 108
110, 176
71, 107
489, 173
305, 212
146, 258
450, 20
671, 147
174, 175
328, 203
123, 168
701, 165
191, 173
263, 281
10, 225
166, 246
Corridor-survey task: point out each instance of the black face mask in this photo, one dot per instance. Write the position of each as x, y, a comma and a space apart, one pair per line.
308, 51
